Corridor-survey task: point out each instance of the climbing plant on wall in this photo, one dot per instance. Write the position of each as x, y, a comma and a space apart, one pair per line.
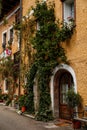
9, 72
47, 41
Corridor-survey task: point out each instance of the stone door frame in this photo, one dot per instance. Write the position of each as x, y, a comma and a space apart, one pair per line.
59, 67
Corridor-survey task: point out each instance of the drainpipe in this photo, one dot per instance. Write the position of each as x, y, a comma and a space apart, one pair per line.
20, 41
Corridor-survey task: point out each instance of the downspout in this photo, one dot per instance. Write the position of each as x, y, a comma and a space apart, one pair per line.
20, 42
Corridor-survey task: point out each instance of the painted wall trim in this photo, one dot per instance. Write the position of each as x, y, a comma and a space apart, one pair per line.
71, 71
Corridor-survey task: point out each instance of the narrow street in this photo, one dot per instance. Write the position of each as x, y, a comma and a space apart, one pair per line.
10, 120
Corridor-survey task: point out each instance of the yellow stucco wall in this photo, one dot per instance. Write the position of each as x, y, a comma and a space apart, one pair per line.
27, 4
76, 48
6, 27
14, 47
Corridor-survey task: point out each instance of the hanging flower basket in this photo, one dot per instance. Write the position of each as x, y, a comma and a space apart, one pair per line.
70, 19
71, 22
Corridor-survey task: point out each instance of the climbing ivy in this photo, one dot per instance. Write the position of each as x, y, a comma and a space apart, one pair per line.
29, 87
47, 41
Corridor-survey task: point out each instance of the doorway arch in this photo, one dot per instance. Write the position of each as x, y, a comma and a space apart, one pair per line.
55, 83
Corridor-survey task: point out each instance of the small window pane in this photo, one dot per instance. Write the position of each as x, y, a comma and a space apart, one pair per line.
68, 10
11, 34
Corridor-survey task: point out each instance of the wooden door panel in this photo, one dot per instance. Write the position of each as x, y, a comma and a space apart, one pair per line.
65, 84
64, 112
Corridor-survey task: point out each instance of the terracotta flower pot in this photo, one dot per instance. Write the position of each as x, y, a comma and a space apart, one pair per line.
76, 124
23, 109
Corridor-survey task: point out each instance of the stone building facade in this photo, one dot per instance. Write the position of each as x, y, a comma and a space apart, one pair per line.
9, 42
76, 50
64, 76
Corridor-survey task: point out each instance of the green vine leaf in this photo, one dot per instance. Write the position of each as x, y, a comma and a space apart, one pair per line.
47, 43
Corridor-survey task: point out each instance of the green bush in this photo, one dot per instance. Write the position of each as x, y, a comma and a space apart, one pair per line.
5, 96
73, 99
8, 101
22, 101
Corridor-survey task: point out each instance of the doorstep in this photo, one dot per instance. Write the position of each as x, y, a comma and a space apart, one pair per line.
28, 115
25, 114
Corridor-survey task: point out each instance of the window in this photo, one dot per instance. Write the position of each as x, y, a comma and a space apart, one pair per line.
64, 90
5, 85
18, 39
25, 80
66, 82
17, 57
17, 16
68, 10
4, 39
10, 36
38, 26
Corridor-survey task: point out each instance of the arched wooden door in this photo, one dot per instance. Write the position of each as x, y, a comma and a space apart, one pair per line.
65, 83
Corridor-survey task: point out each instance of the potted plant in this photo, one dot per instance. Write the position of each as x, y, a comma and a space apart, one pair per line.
73, 100
22, 102
5, 98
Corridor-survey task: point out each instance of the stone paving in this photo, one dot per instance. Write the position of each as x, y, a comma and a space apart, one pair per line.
54, 125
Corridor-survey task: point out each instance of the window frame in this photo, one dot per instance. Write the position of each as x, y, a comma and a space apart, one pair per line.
5, 87
4, 43
9, 34
67, 2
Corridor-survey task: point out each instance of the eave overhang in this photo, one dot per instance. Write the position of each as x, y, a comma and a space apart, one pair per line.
7, 6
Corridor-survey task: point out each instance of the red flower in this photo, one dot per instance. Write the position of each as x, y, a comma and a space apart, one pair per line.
8, 52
